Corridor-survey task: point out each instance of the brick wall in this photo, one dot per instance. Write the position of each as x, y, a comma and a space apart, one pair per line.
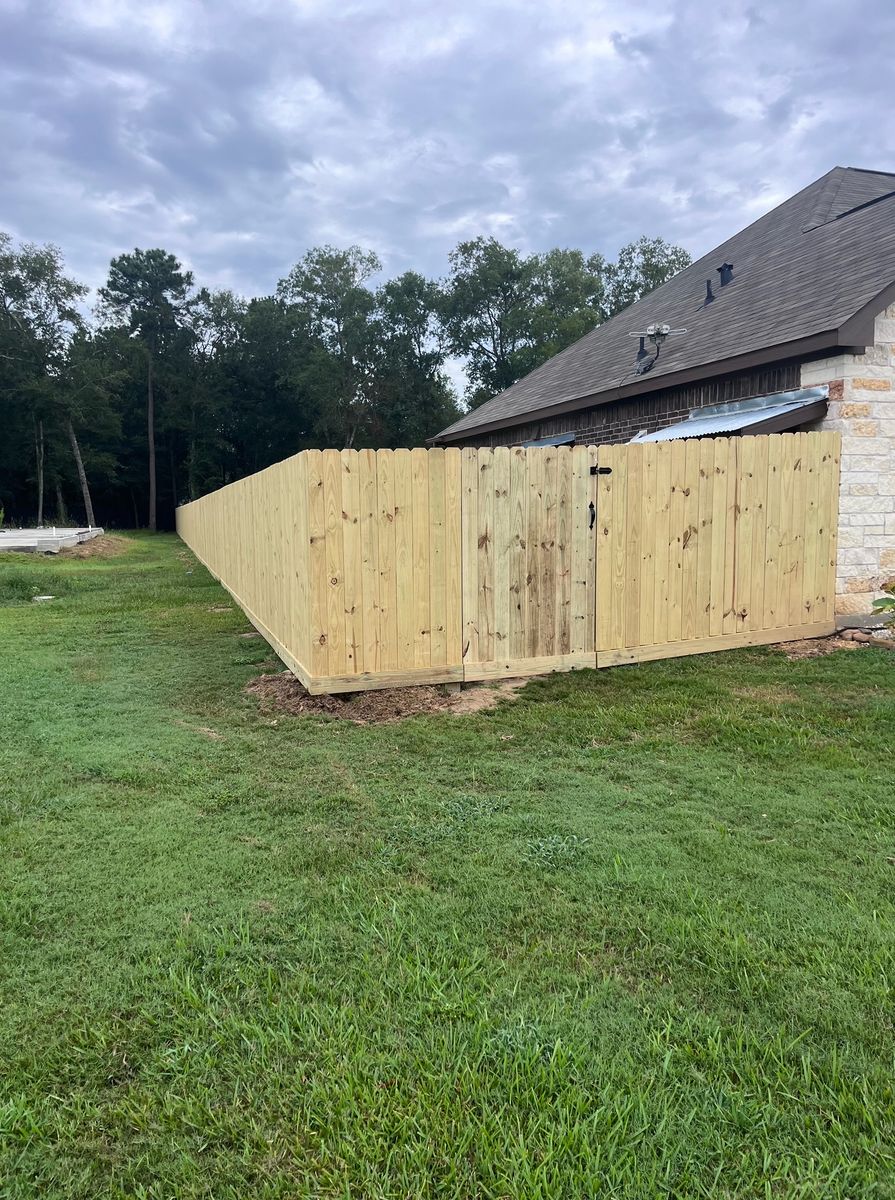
622, 420
862, 408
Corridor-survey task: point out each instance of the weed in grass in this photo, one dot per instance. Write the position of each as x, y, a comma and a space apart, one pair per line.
554, 851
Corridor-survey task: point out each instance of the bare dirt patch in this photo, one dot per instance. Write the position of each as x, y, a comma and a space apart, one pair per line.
107, 545
284, 694
849, 639
815, 647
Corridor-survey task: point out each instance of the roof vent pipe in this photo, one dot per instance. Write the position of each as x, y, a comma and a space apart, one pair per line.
709, 294
726, 273
641, 353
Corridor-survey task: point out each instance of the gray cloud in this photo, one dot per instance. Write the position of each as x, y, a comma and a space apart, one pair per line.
238, 134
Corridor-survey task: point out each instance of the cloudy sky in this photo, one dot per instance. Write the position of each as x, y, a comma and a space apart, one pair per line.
237, 133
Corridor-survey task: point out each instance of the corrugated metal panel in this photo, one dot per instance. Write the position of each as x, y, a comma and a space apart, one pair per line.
736, 417
561, 439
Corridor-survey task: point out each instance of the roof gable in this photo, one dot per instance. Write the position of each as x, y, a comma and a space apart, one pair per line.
803, 269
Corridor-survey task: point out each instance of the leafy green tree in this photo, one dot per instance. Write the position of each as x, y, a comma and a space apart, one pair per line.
506, 313
150, 293
264, 381
569, 300
90, 399
640, 268
328, 292
39, 314
413, 397
201, 420
486, 312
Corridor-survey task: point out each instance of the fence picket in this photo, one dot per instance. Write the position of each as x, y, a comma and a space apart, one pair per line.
373, 568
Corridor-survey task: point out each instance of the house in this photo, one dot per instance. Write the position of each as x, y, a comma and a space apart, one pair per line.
789, 325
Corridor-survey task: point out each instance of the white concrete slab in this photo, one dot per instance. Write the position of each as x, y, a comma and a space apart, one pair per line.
49, 540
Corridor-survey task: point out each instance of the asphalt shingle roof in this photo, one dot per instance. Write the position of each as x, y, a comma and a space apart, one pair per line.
804, 268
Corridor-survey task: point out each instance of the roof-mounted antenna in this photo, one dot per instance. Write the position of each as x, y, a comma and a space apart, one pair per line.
656, 334
726, 273
641, 352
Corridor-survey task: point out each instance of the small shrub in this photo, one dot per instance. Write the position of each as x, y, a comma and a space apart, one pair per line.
885, 606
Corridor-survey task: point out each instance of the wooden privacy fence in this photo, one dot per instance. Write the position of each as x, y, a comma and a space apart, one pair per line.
368, 569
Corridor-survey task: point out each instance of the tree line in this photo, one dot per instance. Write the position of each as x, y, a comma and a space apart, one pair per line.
162, 390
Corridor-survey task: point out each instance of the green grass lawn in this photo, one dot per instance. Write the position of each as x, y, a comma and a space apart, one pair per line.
629, 935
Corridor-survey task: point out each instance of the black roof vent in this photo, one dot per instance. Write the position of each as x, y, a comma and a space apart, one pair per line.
641, 353
709, 294
726, 273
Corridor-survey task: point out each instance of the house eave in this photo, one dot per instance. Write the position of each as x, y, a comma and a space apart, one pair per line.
854, 335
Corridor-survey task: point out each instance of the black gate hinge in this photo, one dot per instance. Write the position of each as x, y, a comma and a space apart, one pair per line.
601, 470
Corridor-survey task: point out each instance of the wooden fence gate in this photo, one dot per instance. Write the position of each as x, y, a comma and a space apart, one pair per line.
706, 544
529, 560
368, 569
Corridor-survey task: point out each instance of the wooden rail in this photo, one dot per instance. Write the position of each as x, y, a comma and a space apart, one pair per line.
371, 569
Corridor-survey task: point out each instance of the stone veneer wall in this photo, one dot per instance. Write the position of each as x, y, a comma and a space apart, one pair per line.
862, 408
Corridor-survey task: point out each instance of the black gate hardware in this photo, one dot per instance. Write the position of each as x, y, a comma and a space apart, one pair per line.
593, 514
601, 470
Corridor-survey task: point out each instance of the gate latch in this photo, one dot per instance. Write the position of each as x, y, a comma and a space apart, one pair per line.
601, 470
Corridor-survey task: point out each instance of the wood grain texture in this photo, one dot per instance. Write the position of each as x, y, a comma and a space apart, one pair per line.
337, 661
742, 531
485, 554
661, 527
528, 587
690, 539
605, 542
646, 583
388, 582
517, 564
534, 464
437, 599
376, 568
501, 550
759, 501
453, 610
404, 557
423, 539
582, 619
737, 532
520, 668
352, 569
563, 550
730, 641
369, 540
629, 617
677, 452
731, 548
319, 664
469, 509
706, 485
